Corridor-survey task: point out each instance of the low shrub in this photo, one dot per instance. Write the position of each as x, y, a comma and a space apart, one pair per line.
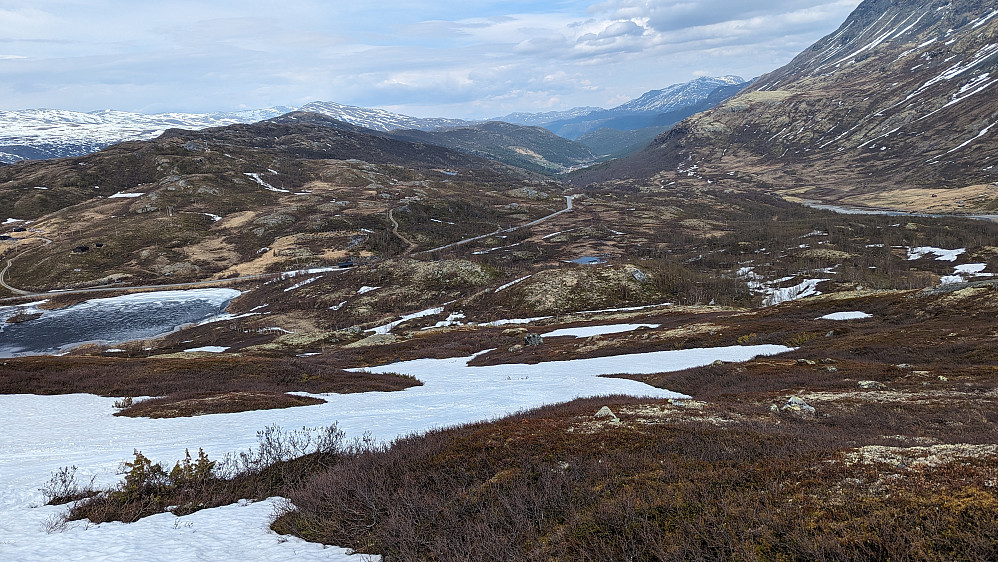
280, 459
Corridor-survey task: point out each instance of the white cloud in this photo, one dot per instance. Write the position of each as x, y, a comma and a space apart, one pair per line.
464, 59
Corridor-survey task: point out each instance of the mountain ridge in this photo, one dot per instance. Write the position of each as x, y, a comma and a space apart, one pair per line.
898, 101
34, 134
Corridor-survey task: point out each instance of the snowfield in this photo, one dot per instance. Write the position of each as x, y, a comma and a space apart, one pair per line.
587, 331
39, 434
852, 315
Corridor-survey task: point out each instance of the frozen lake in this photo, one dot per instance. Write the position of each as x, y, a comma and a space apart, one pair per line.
107, 320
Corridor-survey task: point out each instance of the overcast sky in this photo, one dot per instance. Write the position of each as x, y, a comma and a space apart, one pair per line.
453, 58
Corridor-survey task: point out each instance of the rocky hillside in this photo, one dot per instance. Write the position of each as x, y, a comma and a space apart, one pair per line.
530, 148
895, 105
246, 199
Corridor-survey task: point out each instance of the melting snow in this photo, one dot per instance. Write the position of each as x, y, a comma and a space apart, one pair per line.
854, 315
511, 283
267, 186
387, 328
453, 319
587, 331
207, 349
515, 321
366, 289
301, 284
963, 273
43, 433
807, 288
120, 195
941, 254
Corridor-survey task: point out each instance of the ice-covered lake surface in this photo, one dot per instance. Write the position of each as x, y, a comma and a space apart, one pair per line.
108, 320
39, 434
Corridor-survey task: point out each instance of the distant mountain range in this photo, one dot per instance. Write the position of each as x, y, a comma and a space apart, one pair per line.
44, 133
645, 111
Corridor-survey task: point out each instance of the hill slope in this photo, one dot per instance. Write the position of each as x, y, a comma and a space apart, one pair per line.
900, 99
530, 148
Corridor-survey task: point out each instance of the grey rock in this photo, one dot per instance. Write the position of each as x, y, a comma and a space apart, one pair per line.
797, 405
872, 385
639, 276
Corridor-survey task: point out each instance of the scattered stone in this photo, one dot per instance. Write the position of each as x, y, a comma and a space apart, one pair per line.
718, 363
806, 362
828, 361
942, 378
515, 348
687, 403
639, 276
830, 333
533, 340
903, 366
832, 369
797, 405
514, 331
872, 385
606, 413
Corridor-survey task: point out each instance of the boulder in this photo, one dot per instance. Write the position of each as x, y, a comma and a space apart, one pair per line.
532, 339
797, 405
872, 385
606, 413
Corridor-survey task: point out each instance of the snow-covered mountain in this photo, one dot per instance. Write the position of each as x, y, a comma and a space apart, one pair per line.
380, 119
53, 133
677, 95
654, 109
539, 119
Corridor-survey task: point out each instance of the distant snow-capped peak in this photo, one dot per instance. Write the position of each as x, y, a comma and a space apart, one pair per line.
678, 95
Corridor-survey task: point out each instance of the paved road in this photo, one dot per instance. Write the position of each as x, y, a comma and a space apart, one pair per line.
568, 207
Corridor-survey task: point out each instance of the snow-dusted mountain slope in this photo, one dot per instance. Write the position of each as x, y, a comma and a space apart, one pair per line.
380, 119
902, 96
656, 108
677, 95
539, 119
52, 133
